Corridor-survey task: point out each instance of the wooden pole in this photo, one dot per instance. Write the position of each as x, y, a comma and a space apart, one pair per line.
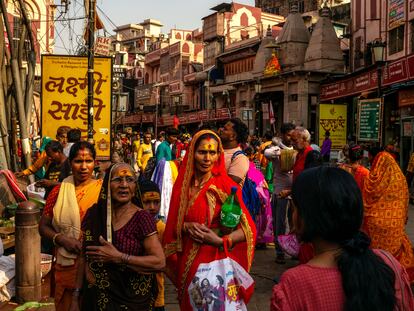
91, 49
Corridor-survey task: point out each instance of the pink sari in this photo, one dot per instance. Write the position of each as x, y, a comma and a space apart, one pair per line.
264, 218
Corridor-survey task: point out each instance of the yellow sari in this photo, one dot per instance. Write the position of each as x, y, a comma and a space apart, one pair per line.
385, 194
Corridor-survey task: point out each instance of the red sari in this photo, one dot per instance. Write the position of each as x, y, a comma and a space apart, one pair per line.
358, 171
184, 254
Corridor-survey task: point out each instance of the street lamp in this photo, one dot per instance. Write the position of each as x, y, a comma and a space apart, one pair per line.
258, 87
378, 55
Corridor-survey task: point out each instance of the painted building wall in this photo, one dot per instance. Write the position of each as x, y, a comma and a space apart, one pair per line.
41, 14
373, 19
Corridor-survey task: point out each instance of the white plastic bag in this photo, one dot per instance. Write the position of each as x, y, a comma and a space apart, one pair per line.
35, 192
220, 282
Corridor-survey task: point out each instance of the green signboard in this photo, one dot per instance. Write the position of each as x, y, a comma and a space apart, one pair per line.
369, 120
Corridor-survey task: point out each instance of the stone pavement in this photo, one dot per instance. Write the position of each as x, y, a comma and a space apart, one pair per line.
264, 269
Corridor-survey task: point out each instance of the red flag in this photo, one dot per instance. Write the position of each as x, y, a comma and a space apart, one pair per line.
176, 122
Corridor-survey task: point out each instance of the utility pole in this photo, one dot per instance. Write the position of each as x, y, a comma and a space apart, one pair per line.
91, 49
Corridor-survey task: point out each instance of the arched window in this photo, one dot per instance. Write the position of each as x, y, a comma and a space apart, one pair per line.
186, 48
178, 36
188, 37
244, 22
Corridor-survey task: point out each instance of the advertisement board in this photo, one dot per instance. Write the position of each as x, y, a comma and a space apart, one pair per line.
64, 98
369, 120
333, 118
102, 46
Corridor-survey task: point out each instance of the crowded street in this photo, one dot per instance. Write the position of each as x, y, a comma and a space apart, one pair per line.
207, 156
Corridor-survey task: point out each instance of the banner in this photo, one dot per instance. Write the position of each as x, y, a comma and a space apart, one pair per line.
65, 93
333, 118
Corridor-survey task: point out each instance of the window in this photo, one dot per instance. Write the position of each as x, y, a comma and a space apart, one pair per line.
300, 5
396, 40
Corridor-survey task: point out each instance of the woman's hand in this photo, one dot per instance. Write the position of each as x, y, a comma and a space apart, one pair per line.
105, 253
195, 230
210, 237
46, 183
72, 245
202, 234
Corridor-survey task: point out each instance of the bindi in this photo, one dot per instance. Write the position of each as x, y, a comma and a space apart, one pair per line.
124, 172
210, 146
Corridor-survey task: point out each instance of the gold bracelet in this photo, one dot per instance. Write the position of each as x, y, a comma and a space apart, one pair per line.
54, 238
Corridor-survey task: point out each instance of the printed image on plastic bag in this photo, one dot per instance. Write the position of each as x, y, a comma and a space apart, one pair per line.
219, 286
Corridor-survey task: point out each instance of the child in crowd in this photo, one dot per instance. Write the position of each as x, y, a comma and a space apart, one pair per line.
151, 198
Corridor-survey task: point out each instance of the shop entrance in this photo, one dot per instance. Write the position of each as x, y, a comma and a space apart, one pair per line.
407, 141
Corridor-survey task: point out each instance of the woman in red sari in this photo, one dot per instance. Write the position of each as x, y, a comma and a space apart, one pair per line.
190, 236
354, 167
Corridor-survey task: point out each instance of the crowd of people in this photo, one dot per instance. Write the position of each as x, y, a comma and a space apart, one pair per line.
154, 210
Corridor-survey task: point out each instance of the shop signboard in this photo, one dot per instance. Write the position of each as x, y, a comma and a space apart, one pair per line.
333, 118
102, 46
397, 71
369, 120
395, 13
64, 97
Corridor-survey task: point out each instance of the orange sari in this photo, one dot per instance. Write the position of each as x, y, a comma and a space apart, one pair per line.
65, 276
385, 195
184, 254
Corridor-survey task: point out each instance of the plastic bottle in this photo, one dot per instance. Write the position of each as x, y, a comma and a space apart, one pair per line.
230, 213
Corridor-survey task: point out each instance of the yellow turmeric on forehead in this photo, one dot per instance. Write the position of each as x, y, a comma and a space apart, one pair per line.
150, 196
210, 145
123, 172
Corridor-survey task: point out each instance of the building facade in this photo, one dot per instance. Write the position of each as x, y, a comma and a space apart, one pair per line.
168, 86
392, 24
232, 37
41, 15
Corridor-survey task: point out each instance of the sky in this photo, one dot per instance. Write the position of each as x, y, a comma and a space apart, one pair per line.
180, 14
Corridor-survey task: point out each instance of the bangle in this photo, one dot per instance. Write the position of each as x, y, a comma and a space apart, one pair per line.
125, 259
54, 238
229, 241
